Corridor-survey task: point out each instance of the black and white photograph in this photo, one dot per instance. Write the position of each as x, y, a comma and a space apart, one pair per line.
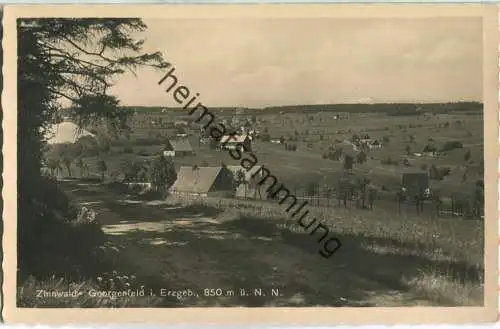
265, 162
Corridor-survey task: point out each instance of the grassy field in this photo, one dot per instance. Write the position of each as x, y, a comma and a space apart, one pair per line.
442, 259
386, 259
315, 133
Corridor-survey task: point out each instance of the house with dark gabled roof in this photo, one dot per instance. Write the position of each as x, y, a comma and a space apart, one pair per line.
178, 148
204, 181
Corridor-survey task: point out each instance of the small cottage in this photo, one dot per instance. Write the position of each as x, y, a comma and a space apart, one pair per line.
231, 142
178, 148
203, 181
253, 173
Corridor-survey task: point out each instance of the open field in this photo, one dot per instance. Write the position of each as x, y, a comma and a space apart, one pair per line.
315, 133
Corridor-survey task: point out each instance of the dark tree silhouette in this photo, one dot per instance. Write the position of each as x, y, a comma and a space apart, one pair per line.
75, 59
348, 162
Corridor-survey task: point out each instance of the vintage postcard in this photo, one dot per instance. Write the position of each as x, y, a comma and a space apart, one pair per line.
245, 164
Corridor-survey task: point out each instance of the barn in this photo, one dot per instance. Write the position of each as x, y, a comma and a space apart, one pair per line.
415, 182
203, 181
178, 148
231, 142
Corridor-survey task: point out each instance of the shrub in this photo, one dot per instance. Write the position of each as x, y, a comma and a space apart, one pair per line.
436, 173
389, 161
451, 145
57, 238
361, 157
336, 154
430, 148
467, 156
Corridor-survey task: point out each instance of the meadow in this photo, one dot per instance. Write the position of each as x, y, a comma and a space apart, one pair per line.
438, 259
314, 135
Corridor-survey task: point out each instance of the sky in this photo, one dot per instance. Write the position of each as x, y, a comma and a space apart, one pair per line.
268, 62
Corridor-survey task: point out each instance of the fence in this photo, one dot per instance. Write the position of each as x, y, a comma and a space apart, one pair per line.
452, 207
449, 207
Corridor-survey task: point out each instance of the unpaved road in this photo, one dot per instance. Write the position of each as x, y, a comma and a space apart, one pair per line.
193, 248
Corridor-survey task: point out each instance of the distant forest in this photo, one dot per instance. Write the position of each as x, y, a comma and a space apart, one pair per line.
388, 108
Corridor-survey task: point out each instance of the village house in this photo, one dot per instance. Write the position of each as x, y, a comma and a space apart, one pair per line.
203, 181
430, 154
178, 148
375, 144
255, 185
230, 142
254, 172
181, 123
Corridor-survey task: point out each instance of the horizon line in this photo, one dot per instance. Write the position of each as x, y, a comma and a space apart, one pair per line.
322, 104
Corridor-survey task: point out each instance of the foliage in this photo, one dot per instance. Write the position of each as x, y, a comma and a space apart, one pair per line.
389, 161
408, 149
76, 60
451, 145
436, 173
162, 172
361, 157
467, 156
312, 189
430, 148
348, 162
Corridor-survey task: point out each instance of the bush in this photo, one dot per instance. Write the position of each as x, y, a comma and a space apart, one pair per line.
335, 155
436, 173
57, 238
430, 148
389, 161
361, 157
451, 145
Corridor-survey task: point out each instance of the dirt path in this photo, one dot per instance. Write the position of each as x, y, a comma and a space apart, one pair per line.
197, 248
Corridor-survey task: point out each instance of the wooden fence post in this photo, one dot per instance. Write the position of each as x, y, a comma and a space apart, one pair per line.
452, 206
